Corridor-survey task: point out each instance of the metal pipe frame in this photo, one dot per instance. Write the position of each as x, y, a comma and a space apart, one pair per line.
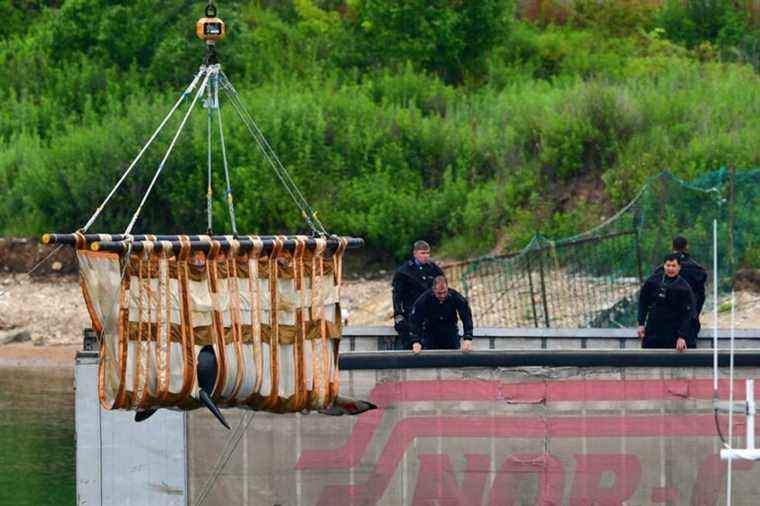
245, 245
71, 239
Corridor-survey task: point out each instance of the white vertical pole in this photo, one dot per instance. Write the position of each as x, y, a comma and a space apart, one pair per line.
245, 468
750, 414
299, 476
715, 309
731, 399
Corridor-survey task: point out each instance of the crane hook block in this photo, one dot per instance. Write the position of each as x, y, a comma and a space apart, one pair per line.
210, 28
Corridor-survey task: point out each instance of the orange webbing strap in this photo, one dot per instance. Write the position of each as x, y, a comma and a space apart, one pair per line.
79, 240
144, 322
324, 339
81, 244
338, 260
186, 320
154, 307
135, 355
274, 336
217, 323
121, 401
338, 270
164, 346
236, 314
320, 358
155, 367
254, 297
111, 370
299, 345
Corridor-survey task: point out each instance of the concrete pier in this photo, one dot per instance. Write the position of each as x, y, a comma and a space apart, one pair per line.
626, 427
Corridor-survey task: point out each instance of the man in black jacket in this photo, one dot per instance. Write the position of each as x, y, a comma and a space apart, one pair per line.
695, 275
434, 319
411, 279
666, 308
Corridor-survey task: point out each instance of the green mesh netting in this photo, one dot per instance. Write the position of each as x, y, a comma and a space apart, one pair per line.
593, 279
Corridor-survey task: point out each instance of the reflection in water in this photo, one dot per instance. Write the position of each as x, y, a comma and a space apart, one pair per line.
37, 447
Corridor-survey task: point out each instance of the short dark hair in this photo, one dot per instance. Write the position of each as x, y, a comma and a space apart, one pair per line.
440, 280
680, 243
672, 257
421, 246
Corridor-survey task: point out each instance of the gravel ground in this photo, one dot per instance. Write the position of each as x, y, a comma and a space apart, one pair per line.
53, 311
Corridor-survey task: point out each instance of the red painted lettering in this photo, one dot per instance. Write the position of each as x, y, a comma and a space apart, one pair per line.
437, 485
551, 479
589, 474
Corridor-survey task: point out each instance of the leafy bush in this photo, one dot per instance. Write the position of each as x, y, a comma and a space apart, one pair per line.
448, 120
442, 36
716, 21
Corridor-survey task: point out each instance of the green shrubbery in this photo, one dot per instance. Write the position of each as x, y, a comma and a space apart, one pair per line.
465, 124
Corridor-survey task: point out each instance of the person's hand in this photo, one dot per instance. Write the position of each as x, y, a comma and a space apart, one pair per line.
417, 347
640, 332
399, 323
681, 344
466, 345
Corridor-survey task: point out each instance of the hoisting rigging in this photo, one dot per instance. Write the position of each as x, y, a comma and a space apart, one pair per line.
246, 321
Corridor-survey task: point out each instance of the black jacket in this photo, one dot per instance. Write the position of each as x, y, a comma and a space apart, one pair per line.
409, 282
434, 323
695, 275
666, 306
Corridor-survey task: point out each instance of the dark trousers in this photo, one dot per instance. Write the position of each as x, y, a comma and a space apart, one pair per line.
658, 342
441, 340
402, 340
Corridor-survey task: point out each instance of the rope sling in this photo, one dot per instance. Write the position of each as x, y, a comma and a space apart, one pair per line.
216, 320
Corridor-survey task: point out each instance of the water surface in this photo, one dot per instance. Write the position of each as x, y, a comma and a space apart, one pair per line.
37, 444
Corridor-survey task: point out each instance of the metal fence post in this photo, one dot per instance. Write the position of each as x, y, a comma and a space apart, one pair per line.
731, 220
530, 284
543, 288
637, 240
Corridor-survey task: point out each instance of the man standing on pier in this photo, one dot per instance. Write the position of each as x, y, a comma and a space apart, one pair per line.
413, 278
695, 275
666, 309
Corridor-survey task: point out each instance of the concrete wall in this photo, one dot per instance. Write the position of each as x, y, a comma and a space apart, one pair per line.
120, 462
483, 436
382, 338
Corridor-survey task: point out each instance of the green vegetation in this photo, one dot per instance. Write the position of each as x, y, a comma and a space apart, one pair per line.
472, 124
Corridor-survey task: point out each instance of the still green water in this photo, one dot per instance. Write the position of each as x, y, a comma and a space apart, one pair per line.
37, 447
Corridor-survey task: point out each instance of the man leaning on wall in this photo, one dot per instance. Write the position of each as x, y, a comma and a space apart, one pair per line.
435, 318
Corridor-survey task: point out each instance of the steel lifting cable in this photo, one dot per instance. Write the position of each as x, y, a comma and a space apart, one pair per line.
224, 457
308, 212
200, 91
182, 98
230, 203
124, 176
209, 191
280, 171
